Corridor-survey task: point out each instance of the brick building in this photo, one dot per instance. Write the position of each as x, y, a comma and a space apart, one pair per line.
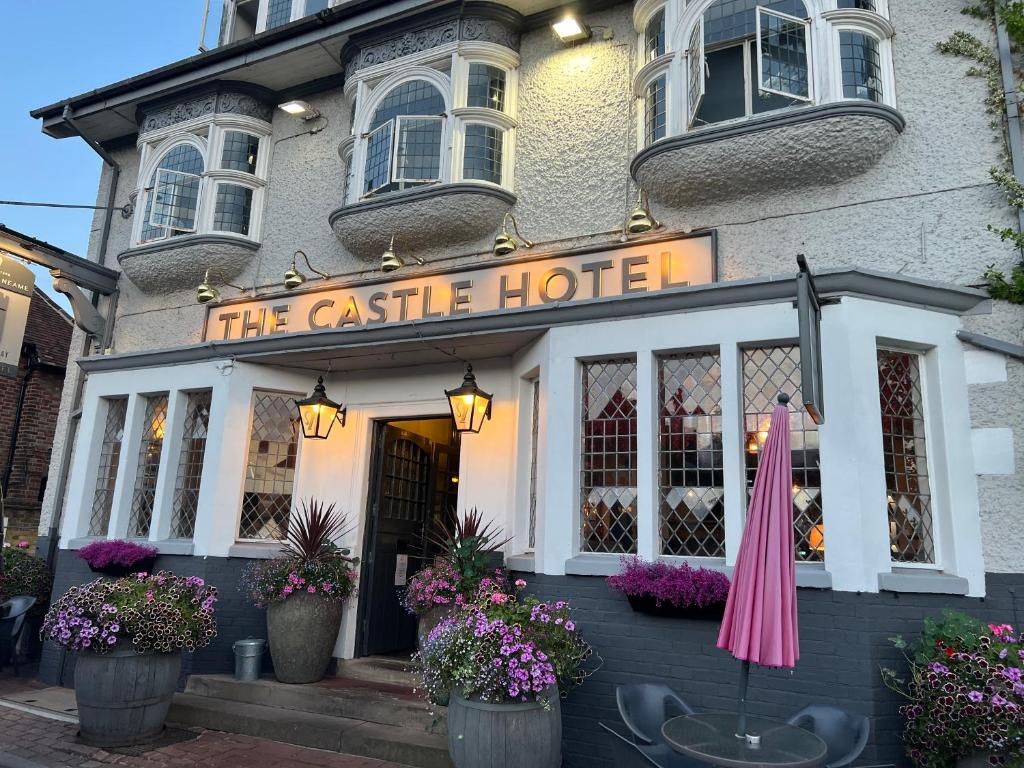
28, 415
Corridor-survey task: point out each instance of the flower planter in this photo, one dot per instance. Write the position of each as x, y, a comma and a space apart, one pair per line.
122, 696
513, 735
301, 633
648, 604
117, 571
974, 760
427, 621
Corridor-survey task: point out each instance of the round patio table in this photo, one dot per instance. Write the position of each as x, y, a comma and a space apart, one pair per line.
712, 739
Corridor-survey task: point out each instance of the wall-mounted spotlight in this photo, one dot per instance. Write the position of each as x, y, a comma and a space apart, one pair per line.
293, 278
391, 261
206, 292
300, 108
570, 29
504, 244
641, 220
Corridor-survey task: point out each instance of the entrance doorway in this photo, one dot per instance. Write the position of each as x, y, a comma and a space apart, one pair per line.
414, 476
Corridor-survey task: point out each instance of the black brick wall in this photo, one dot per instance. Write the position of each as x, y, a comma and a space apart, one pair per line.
844, 639
236, 618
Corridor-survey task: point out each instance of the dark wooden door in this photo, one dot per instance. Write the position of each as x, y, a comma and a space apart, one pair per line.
401, 509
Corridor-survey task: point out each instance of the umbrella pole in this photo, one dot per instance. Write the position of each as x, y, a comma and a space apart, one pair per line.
741, 725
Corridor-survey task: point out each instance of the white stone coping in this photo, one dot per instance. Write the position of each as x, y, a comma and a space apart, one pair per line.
922, 582
255, 551
524, 563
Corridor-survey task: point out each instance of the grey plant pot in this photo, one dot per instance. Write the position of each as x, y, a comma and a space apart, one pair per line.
513, 735
122, 696
301, 633
973, 760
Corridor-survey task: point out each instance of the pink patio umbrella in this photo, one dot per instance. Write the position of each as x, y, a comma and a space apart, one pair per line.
760, 623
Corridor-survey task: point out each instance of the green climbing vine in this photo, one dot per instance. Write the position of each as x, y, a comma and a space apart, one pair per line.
986, 65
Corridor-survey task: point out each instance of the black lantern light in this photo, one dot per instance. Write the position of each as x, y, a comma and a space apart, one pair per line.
470, 405
318, 413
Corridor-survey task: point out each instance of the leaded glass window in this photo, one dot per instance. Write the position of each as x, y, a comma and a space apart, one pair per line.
863, 5
608, 484
784, 63
484, 146
270, 472
862, 66
190, 465
690, 470
655, 111
279, 13
654, 36
486, 86
110, 459
729, 20
241, 151
767, 372
911, 526
175, 186
154, 425
233, 209
405, 138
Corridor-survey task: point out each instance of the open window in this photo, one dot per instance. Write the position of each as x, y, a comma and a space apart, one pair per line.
175, 200
783, 61
697, 83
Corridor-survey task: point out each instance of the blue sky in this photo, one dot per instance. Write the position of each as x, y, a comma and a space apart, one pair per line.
59, 48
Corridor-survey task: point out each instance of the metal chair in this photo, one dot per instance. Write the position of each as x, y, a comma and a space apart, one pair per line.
628, 754
645, 707
12, 625
844, 733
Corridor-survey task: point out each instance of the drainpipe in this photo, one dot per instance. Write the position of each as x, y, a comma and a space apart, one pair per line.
19, 409
1013, 121
76, 401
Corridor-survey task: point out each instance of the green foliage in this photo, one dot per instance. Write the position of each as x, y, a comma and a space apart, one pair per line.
986, 66
25, 575
469, 545
999, 287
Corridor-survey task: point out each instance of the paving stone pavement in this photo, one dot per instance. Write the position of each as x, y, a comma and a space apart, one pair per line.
31, 741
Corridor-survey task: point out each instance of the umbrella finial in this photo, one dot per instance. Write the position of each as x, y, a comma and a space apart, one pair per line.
783, 398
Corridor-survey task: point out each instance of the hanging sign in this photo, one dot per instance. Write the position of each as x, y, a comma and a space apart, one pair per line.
16, 284
628, 270
808, 306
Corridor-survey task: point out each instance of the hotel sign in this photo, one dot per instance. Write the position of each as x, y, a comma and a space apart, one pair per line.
16, 285
629, 270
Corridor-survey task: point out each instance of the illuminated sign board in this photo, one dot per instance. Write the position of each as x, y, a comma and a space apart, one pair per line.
561, 279
16, 285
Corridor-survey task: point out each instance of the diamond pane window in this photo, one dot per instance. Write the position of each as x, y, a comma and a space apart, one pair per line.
691, 478
110, 459
862, 66
766, 372
911, 527
484, 145
241, 150
233, 210
654, 111
184, 159
654, 36
486, 87
609, 478
270, 474
154, 426
190, 465
534, 435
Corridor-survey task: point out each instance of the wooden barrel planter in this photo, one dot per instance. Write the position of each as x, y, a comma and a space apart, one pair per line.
123, 697
512, 735
301, 633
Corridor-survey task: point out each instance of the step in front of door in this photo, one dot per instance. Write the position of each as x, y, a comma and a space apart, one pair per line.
406, 746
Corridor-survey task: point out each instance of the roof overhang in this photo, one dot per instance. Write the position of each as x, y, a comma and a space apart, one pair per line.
502, 333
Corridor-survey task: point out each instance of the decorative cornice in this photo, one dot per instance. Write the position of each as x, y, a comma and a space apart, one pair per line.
221, 98
476, 23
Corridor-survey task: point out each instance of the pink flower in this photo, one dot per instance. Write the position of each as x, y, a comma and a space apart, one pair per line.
520, 583
499, 598
311, 589
149, 596
23, 544
328, 586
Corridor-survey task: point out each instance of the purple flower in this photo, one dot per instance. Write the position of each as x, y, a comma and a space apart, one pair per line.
976, 696
679, 585
939, 668
126, 554
998, 701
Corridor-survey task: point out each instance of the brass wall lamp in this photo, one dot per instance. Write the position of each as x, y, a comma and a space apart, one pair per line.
504, 244
206, 292
640, 220
293, 278
390, 261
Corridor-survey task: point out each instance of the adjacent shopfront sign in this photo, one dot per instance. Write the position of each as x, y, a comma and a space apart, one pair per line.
16, 285
624, 271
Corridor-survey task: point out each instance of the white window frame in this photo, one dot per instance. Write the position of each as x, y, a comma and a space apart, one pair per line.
761, 12
696, 62
298, 11
158, 183
396, 139
872, 25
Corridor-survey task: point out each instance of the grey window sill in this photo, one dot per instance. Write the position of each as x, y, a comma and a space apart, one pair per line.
163, 547
808, 576
593, 565
922, 582
523, 563
255, 551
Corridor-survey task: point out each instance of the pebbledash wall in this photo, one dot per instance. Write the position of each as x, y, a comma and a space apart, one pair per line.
920, 213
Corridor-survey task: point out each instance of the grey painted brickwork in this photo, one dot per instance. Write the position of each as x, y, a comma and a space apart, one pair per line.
844, 639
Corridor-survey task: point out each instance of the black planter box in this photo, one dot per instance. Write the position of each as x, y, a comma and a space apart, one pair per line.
120, 571
648, 604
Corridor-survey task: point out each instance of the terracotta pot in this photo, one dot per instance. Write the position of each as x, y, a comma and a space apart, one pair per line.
301, 633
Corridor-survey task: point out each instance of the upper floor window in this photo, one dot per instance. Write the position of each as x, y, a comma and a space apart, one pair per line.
451, 120
206, 180
277, 13
741, 58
